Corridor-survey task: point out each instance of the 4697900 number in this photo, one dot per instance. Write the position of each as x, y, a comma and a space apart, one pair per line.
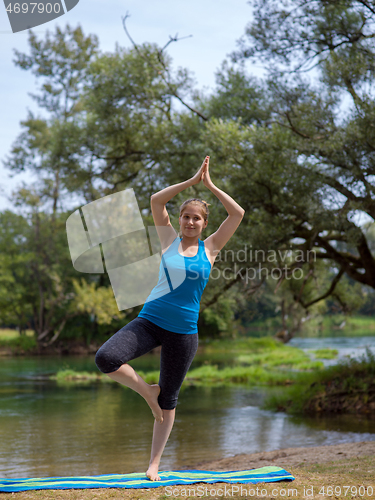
344, 490
31, 8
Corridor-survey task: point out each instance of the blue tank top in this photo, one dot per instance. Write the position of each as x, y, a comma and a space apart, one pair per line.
173, 303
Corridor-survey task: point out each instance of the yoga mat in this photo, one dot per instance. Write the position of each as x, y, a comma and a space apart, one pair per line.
139, 479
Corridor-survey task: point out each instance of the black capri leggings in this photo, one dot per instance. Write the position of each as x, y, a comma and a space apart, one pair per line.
140, 336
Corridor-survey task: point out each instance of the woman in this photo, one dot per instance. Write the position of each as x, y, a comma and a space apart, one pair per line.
169, 318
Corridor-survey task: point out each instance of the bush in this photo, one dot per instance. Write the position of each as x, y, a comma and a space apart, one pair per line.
347, 387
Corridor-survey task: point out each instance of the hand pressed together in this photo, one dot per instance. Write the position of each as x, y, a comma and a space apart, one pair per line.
203, 174
206, 174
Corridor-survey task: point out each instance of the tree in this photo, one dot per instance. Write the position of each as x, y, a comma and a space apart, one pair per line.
110, 125
329, 122
276, 148
35, 287
14, 269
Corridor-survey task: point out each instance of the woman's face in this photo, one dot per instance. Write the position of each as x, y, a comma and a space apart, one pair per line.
191, 221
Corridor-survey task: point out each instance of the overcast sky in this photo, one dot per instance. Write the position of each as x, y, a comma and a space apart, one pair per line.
215, 26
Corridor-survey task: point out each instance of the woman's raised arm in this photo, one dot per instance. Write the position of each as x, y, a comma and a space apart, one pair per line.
231, 206
160, 215
235, 214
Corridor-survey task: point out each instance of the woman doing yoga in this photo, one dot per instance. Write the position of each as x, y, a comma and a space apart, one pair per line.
170, 314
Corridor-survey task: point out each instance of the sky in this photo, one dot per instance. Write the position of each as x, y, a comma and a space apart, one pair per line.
215, 26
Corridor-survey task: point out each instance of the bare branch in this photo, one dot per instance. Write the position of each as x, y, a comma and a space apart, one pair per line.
160, 58
335, 280
174, 39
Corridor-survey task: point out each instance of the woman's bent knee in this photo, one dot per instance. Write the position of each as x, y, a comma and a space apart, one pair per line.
106, 362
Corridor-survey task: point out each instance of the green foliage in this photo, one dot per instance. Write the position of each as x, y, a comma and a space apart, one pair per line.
290, 358
260, 362
332, 151
252, 375
217, 320
14, 270
298, 34
266, 352
238, 97
69, 376
20, 344
283, 148
99, 302
36, 269
204, 375
345, 387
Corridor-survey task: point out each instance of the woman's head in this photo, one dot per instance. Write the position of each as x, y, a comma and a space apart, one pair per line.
193, 214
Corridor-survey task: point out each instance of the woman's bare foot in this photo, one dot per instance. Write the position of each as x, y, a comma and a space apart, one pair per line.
153, 403
152, 473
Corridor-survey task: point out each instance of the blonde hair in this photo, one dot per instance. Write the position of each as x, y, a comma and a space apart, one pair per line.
202, 204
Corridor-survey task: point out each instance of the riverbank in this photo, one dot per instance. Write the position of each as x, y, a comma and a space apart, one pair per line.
347, 387
253, 361
13, 344
334, 471
320, 326
292, 457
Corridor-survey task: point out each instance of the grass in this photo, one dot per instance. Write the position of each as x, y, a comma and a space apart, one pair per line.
18, 344
339, 326
69, 376
257, 362
344, 477
11, 333
250, 375
360, 325
265, 352
325, 353
208, 375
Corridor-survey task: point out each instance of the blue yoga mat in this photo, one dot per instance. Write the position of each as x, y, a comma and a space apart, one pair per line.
139, 480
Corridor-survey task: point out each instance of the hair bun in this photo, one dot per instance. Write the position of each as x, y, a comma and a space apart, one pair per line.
204, 201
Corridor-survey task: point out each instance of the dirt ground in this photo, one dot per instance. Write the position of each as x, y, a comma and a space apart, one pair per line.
289, 457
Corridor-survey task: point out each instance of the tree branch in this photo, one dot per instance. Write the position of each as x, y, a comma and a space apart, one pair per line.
160, 58
335, 280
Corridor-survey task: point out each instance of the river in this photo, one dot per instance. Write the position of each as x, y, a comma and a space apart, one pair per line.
98, 428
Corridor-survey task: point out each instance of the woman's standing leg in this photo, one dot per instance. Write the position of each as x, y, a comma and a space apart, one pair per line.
159, 440
177, 353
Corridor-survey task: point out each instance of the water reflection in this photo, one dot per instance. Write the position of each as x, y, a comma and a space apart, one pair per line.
48, 430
